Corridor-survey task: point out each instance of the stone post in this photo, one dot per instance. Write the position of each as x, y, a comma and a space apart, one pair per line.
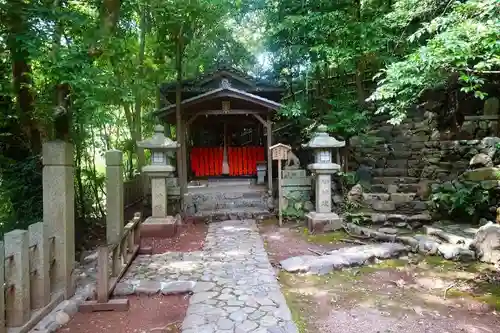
59, 211
114, 196
18, 309
324, 193
159, 196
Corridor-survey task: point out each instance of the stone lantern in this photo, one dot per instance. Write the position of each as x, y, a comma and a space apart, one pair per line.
161, 147
323, 218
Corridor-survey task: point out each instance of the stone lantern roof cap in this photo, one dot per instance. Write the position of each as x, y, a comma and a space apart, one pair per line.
322, 139
158, 141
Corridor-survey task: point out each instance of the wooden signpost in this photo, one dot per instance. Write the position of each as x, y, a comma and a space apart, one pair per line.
279, 152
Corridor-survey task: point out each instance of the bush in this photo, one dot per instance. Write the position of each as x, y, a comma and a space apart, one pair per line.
21, 193
463, 201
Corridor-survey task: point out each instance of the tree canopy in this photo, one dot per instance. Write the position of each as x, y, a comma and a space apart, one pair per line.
88, 71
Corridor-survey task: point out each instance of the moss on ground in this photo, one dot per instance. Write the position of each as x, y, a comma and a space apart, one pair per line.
491, 296
324, 238
296, 301
269, 221
443, 264
485, 292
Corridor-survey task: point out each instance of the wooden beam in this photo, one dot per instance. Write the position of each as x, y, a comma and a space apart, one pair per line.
193, 118
269, 157
259, 118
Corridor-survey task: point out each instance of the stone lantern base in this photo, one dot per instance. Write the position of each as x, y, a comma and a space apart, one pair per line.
321, 222
160, 227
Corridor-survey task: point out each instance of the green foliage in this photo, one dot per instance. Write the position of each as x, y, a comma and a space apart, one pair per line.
20, 193
346, 121
111, 56
461, 200
458, 46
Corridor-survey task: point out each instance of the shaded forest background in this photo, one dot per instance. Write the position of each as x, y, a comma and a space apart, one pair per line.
88, 71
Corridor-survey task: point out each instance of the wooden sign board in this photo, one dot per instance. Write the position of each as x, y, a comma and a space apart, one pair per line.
280, 151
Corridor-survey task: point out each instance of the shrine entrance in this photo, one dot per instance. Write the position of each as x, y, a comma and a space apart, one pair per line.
226, 146
225, 128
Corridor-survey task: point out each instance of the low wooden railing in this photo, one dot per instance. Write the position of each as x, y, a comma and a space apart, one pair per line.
113, 261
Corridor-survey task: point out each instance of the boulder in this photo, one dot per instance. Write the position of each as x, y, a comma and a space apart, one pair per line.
486, 173
356, 193
486, 244
480, 160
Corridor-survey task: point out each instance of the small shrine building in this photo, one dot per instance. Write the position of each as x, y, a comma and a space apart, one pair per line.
226, 124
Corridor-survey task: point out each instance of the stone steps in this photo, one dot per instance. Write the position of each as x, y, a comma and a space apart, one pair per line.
392, 180
395, 172
232, 204
233, 214
392, 206
395, 188
395, 197
413, 220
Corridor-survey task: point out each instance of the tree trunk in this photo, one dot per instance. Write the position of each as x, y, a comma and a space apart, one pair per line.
178, 119
138, 98
17, 25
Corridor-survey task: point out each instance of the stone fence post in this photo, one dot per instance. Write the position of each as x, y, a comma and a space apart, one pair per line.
114, 202
59, 212
114, 196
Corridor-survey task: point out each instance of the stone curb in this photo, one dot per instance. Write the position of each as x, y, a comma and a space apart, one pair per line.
63, 313
148, 287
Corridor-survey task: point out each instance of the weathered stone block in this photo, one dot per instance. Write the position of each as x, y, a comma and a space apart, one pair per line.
291, 174
384, 206
402, 197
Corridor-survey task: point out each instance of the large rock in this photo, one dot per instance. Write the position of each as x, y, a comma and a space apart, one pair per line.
487, 173
356, 193
455, 252
487, 243
480, 160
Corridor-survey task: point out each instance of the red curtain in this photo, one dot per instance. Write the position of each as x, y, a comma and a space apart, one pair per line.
242, 160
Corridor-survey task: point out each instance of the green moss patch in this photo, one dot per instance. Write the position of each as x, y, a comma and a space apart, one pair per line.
324, 238
297, 302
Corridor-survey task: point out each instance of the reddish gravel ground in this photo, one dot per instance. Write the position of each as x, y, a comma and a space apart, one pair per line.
191, 238
146, 314
155, 314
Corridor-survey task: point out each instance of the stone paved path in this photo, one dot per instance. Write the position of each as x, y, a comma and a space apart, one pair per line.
237, 290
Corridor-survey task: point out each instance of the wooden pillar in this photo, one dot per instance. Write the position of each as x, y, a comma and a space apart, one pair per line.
269, 156
181, 160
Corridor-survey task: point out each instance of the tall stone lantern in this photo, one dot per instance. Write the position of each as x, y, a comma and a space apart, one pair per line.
323, 219
159, 224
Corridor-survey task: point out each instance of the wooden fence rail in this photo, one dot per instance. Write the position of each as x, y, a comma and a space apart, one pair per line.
113, 262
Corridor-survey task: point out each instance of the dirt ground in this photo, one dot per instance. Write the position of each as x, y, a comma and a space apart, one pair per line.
412, 294
154, 314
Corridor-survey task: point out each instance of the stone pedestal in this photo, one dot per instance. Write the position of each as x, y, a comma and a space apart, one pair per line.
159, 198
320, 222
160, 227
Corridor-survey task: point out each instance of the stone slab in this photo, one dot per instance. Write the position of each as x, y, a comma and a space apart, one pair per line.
338, 259
159, 227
